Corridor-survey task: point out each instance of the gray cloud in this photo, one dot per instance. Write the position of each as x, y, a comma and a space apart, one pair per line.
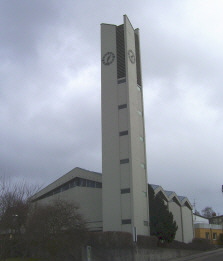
50, 90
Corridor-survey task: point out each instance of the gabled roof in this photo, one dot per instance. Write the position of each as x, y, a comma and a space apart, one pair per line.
185, 202
159, 190
172, 196
181, 198
169, 193
154, 186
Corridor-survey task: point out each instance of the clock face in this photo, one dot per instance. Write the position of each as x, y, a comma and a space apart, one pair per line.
131, 55
108, 58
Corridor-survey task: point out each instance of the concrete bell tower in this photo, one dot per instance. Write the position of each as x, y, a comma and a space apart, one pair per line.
124, 169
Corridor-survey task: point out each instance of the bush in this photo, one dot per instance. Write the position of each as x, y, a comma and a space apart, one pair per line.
147, 242
178, 245
110, 239
201, 244
119, 240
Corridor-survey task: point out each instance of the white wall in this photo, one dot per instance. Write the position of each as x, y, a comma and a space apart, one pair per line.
175, 209
199, 219
187, 222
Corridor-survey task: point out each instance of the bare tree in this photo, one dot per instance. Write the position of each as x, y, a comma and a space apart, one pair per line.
14, 206
196, 212
56, 229
208, 212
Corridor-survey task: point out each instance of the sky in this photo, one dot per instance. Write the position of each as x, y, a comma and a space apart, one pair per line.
50, 107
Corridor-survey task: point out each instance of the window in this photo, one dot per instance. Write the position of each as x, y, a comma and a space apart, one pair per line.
65, 187
126, 190
146, 223
139, 88
82, 182
145, 193
91, 183
122, 133
215, 236
122, 106
207, 235
71, 184
143, 166
123, 161
57, 190
126, 221
140, 113
78, 181
98, 184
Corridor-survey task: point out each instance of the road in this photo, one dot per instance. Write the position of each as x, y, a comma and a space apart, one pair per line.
216, 255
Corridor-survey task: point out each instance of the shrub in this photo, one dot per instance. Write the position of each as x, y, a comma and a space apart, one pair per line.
201, 244
178, 245
147, 242
110, 239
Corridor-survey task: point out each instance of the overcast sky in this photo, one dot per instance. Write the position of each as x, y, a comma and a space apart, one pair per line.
50, 118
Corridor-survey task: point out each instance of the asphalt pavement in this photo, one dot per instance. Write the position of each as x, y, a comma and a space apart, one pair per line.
214, 255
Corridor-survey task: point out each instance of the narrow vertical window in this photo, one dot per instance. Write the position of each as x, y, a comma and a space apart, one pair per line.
123, 161
141, 138
143, 165
122, 106
126, 221
140, 113
122, 133
126, 190
139, 88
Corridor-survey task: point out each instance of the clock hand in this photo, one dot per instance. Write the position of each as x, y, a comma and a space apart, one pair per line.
108, 58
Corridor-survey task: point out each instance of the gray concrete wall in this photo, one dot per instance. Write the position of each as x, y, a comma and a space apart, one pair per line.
157, 254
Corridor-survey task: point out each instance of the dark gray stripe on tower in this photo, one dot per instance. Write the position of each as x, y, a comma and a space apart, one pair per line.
138, 62
120, 44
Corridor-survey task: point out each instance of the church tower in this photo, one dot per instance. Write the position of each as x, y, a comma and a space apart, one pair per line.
124, 169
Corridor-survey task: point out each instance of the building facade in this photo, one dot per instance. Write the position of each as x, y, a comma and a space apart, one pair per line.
212, 232
84, 189
218, 220
80, 187
209, 228
181, 209
124, 192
